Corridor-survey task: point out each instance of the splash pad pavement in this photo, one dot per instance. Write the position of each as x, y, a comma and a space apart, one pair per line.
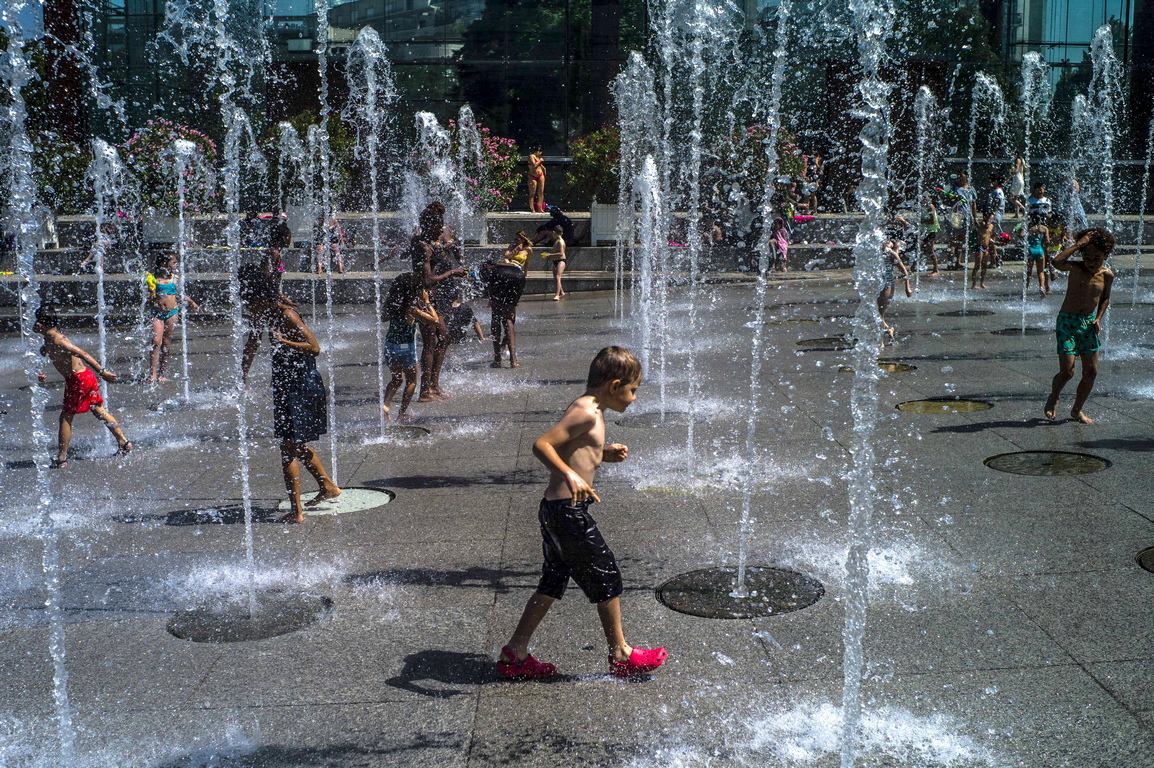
1008, 618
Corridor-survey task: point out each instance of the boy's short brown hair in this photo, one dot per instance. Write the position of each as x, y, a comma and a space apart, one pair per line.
1099, 238
613, 363
46, 317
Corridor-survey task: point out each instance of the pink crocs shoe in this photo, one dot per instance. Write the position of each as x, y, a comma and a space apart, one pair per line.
527, 668
640, 661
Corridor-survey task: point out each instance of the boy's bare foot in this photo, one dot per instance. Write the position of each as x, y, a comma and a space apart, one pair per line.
427, 397
514, 364
1080, 417
441, 393
124, 449
58, 463
150, 380
326, 493
935, 273
556, 298
983, 285
1051, 406
292, 517
162, 380
405, 418
387, 412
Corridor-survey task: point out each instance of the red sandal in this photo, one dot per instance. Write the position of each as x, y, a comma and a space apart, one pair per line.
526, 668
641, 660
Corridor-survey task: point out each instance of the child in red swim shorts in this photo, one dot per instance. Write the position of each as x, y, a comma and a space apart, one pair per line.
81, 389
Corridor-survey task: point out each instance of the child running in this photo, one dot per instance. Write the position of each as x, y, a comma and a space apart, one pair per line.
1080, 319
81, 391
573, 547
406, 305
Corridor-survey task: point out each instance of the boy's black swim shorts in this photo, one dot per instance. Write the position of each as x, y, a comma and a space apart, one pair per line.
573, 547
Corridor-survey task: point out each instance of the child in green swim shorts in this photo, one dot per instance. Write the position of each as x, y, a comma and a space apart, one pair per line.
1080, 319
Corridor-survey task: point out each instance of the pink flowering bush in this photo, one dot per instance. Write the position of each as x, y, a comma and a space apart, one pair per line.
149, 155
494, 183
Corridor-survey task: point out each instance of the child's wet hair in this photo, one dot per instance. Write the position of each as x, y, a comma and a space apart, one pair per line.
255, 284
613, 363
1099, 238
161, 268
46, 316
402, 292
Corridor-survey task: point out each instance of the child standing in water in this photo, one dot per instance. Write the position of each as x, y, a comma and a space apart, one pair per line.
573, 547
1037, 239
931, 225
407, 304
1080, 319
983, 255
81, 390
163, 305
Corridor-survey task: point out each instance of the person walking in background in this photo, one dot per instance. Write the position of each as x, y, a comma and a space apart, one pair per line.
930, 227
536, 181
1018, 186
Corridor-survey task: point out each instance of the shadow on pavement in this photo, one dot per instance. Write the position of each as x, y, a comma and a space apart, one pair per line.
982, 426
1142, 444
451, 668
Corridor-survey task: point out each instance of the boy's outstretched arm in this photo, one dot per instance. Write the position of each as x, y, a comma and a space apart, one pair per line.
575, 423
85, 358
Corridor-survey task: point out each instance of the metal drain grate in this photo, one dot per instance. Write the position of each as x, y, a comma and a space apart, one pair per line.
708, 592
944, 405
1047, 463
278, 613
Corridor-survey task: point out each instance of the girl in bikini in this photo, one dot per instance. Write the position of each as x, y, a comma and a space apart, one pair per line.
558, 259
536, 181
163, 307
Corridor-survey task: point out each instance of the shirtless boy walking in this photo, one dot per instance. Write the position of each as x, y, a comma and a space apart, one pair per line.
81, 390
1080, 319
572, 544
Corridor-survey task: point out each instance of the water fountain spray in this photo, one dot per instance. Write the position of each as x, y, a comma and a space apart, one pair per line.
651, 232
15, 73
773, 120
1035, 103
873, 21
925, 112
183, 153
371, 97
470, 170
1106, 99
108, 176
700, 27
987, 102
1142, 212
638, 118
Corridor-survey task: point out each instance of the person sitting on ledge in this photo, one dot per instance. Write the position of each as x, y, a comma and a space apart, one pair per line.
558, 224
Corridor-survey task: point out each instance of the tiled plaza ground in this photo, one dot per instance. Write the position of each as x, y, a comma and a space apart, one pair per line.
1008, 625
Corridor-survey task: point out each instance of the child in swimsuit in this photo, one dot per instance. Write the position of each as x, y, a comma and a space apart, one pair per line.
558, 259
572, 450
81, 390
406, 305
779, 242
1080, 320
1036, 242
982, 255
163, 306
504, 282
931, 225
